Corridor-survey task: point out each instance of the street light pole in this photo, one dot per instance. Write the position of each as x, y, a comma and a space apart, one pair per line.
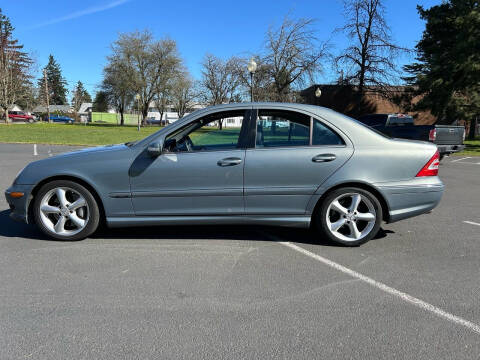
138, 111
252, 67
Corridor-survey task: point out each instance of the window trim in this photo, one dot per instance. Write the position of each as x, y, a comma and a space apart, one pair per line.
254, 119
246, 120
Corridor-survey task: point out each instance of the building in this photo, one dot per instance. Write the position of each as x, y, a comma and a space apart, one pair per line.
345, 99
170, 115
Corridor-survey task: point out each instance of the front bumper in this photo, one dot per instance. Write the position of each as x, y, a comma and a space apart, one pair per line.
448, 149
19, 206
413, 197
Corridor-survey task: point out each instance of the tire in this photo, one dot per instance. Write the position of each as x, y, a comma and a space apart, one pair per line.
343, 216
65, 210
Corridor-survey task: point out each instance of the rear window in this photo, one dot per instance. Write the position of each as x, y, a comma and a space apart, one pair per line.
400, 120
371, 128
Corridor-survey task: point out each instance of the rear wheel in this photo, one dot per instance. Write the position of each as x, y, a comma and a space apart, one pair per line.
66, 210
349, 216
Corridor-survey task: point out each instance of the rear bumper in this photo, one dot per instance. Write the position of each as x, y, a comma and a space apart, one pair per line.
448, 149
411, 198
19, 206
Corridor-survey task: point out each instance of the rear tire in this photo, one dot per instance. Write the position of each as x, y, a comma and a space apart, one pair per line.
66, 210
349, 216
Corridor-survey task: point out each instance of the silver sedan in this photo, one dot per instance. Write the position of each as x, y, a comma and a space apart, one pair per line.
253, 163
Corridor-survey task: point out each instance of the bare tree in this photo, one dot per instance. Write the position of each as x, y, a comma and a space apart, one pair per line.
293, 55
221, 80
183, 93
370, 58
147, 61
117, 86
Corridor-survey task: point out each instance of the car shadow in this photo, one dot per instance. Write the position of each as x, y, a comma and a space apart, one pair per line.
10, 228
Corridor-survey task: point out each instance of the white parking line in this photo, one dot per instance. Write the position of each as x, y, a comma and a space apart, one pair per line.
468, 157
471, 223
404, 296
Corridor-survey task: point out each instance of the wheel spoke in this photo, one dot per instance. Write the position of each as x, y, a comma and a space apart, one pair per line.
354, 230
60, 225
80, 202
49, 209
365, 216
356, 199
79, 223
337, 224
61, 196
338, 207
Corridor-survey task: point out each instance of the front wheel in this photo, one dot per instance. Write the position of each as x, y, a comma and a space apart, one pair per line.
66, 210
349, 216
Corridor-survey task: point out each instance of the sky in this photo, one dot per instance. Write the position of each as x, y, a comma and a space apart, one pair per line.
79, 33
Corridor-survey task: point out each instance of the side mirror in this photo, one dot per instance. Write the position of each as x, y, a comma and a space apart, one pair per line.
170, 144
155, 149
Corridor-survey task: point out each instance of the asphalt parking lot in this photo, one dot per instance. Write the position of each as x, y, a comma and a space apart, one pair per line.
245, 292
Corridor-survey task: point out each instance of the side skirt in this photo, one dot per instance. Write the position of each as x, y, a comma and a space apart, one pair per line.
302, 221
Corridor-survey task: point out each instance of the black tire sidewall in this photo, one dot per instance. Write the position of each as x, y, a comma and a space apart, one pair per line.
321, 223
94, 212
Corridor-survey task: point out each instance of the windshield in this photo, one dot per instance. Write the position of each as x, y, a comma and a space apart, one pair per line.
371, 128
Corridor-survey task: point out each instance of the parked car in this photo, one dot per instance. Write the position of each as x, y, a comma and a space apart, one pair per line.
60, 119
20, 116
449, 139
319, 167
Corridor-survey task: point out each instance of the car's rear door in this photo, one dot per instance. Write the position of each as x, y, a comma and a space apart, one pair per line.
294, 154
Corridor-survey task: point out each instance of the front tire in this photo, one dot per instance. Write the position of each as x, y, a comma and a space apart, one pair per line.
65, 210
349, 216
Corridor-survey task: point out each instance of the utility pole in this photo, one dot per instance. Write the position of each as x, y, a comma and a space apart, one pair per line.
46, 94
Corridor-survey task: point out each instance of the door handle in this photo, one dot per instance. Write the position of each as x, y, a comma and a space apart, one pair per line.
231, 161
324, 158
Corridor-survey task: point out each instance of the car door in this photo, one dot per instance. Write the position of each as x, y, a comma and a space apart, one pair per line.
200, 171
294, 154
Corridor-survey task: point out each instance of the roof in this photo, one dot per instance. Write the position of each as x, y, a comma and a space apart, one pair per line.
84, 107
52, 108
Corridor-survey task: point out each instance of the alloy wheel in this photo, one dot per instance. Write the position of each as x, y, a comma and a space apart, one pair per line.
351, 217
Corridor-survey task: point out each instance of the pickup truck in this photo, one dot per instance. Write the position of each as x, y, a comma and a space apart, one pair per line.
448, 138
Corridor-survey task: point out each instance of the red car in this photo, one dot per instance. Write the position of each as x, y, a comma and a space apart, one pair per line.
20, 116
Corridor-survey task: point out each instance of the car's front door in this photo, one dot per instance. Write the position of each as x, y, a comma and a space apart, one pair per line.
294, 153
200, 171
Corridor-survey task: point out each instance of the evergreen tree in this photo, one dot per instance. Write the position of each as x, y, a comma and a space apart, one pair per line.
447, 71
15, 66
80, 95
100, 103
56, 83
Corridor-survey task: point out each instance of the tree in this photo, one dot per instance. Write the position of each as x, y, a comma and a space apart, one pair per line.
221, 80
370, 58
183, 93
15, 66
100, 103
293, 55
80, 96
117, 86
447, 69
148, 63
56, 83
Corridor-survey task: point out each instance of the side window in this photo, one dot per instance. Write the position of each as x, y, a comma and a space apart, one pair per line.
277, 128
322, 135
210, 133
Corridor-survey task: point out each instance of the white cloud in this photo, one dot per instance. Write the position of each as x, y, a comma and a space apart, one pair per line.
77, 14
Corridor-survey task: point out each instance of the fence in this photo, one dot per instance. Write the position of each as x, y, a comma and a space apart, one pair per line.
109, 118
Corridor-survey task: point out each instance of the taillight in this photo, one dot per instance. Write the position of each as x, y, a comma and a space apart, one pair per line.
431, 167
432, 135
464, 133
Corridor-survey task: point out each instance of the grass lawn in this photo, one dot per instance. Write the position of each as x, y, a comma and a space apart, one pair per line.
472, 149
72, 134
